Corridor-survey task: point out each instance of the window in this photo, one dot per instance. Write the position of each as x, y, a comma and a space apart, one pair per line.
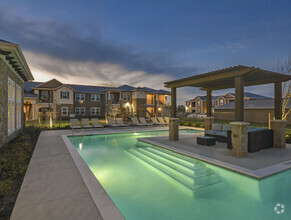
18, 107
11, 106
112, 97
65, 111
95, 97
80, 110
64, 95
199, 110
198, 103
80, 97
95, 111
221, 101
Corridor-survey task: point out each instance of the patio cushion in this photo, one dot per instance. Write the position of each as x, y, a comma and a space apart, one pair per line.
216, 127
211, 132
221, 133
226, 127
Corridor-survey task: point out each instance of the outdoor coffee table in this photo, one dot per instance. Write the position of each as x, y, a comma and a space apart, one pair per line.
206, 140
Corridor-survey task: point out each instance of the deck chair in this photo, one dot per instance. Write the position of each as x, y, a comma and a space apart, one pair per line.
144, 122
74, 123
167, 119
86, 123
111, 123
155, 121
161, 120
120, 122
135, 121
95, 123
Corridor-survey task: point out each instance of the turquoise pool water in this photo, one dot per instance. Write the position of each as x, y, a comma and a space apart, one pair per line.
146, 182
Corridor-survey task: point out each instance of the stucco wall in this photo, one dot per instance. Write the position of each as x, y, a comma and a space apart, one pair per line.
5, 72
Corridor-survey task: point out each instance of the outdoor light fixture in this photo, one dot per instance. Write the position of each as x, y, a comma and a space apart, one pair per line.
127, 104
81, 101
186, 107
159, 108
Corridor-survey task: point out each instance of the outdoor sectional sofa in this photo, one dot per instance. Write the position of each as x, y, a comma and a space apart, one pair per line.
258, 138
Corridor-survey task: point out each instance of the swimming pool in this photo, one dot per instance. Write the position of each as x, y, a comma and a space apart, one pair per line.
147, 182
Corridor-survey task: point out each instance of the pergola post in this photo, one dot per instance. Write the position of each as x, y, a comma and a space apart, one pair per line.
278, 100
208, 119
239, 98
174, 121
278, 125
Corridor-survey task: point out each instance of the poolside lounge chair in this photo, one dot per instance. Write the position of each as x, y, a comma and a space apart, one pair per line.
86, 123
144, 122
135, 121
155, 121
167, 119
161, 120
95, 123
74, 123
120, 122
111, 123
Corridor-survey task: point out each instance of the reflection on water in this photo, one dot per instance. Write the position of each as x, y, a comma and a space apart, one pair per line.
142, 192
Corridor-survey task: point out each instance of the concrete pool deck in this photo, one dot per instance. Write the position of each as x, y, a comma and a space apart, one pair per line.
258, 165
59, 185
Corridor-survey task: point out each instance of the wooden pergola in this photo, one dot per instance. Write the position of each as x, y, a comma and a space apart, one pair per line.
233, 77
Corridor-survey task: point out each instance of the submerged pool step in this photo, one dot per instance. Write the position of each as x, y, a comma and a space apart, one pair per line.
198, 172
194, 182
191, 162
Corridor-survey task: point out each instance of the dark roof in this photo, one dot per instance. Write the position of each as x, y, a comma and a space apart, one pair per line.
253, 104
87, 89
28, 88
252, 95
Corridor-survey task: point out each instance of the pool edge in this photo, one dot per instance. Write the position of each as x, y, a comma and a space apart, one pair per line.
103, 202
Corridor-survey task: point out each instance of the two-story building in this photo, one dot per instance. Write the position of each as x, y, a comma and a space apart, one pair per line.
71, 100
198, 104
14, 71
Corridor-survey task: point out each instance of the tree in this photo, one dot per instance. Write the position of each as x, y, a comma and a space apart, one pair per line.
285, 67
180, 109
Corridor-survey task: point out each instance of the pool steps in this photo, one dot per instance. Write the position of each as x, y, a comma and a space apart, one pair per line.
194, 175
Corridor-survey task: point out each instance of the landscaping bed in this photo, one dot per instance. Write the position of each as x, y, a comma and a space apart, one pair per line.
14, 160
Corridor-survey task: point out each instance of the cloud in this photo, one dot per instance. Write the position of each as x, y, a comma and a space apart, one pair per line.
45, 67
67, 42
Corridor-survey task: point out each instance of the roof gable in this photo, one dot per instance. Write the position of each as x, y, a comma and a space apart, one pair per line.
53, 83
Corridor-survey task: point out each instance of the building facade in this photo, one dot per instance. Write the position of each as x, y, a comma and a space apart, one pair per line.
198, 104
69, 100
13, 72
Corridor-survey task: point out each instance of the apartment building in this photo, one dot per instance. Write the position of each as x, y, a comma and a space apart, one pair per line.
14, 71
199, 103
71, 100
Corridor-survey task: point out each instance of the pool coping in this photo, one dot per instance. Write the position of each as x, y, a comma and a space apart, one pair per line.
256, 174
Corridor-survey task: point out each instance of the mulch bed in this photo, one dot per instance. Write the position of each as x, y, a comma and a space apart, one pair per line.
14, 160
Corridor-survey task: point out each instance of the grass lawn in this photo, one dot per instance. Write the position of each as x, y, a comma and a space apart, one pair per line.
14, 160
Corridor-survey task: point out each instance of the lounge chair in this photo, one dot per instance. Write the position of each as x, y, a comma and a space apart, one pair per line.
144, 122
86, 123
161, 120
167, 119
120, 122
136, 122
95, 123
74, 123
155, 121
111, 123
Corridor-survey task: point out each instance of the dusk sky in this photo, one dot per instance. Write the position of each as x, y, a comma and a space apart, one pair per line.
145, 43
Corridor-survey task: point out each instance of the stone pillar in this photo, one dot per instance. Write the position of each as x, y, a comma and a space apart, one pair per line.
174, 129
279, 128
239, 138
208, 123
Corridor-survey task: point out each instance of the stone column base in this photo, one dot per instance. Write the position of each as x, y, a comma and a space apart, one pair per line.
208, 123
239, 138
279, 137
174, 129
